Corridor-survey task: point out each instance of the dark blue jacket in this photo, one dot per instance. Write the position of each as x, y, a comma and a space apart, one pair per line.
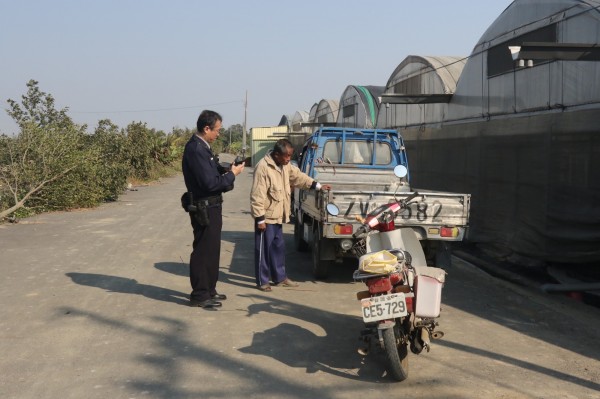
201, 171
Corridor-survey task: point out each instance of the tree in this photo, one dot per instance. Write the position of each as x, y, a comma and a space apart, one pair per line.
47, 148
36, 157
37, 108
230, 139
53, 163
150, 151
140, 148
177, 140
109, 145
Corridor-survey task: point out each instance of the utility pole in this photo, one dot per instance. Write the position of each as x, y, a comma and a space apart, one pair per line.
244, 132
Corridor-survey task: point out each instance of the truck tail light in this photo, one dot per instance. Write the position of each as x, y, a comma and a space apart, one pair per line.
449, 232
342, 229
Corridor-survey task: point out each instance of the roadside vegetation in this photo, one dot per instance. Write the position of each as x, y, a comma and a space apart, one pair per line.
52, 163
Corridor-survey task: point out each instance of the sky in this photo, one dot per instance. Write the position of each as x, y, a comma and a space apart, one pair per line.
162, 62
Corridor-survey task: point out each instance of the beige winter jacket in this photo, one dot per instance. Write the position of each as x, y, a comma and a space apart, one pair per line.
271, 191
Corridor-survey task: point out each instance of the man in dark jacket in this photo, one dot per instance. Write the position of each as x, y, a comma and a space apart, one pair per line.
207, 180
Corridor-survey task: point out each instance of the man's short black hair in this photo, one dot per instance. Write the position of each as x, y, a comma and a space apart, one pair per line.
281, 146
207, 118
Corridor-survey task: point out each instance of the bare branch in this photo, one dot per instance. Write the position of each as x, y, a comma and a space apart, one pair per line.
20, 203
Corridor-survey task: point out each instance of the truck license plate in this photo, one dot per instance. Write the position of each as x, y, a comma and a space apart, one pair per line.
383, 307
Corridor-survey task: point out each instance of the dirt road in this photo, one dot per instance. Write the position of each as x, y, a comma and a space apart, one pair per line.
94, 305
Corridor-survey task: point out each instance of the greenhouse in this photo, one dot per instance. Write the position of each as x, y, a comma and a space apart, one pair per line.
359, 106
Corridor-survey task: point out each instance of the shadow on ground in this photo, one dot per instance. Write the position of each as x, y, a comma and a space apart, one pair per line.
128, 286
176, 268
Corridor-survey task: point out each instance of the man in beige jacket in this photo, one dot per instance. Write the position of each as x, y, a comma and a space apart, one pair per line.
270, 207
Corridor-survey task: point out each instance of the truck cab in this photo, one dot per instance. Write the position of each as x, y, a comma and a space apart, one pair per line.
360, 151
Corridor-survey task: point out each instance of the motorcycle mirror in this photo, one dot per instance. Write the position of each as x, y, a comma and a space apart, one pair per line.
333, 210
400, 171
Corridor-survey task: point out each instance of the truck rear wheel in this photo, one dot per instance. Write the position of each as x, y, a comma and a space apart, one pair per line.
320, 266
437, 253
301, 245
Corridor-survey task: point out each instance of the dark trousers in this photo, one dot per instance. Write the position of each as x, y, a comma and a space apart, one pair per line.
204, 260
269, 255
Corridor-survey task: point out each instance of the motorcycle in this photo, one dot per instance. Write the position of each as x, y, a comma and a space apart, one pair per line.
403, 296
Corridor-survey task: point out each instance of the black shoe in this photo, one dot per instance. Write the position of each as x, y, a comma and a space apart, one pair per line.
218, 297
206, 304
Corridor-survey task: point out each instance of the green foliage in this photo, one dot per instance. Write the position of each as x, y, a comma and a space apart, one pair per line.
154, 153
139, 150
37, 108
110, 148
235, 148
217, 146
229, 140
48, 147
176, 142
54, 164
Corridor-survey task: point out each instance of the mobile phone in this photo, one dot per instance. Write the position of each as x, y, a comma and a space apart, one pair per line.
239, 160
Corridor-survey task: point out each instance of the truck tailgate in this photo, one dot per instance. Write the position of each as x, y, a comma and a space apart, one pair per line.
427, 213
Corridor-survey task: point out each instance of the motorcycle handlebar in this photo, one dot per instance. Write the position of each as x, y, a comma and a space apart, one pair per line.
410, 197
364, 228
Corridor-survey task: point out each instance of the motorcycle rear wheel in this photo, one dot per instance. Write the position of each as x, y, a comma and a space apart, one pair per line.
397, 355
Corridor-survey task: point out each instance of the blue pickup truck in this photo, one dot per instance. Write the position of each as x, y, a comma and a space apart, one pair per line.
359, 165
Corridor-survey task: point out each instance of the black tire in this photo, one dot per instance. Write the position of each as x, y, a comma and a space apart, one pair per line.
429, 250
320, 267
443, 257
397, 355
437, 254
301, 245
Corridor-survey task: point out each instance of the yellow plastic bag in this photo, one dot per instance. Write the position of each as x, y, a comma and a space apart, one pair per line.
378, 262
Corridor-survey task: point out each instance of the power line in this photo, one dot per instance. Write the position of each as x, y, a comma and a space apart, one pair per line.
155, 110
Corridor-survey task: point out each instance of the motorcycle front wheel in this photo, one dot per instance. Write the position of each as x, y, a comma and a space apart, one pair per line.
397, 355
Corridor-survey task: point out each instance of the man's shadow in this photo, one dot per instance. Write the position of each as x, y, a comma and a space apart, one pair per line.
334, 352
128, 286
177, 269
235, 276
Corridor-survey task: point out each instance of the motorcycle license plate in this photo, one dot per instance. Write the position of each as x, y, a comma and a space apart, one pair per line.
383, 307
